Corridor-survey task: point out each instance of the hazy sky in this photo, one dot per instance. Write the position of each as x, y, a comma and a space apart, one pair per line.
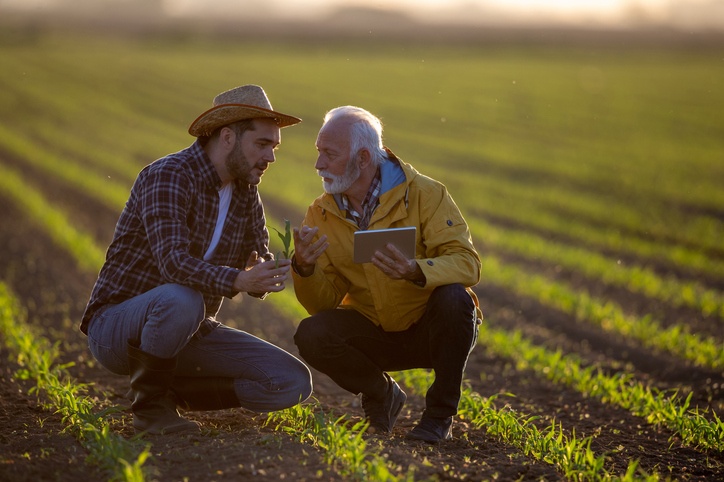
601, 12
550, 5
682, 13
564, 7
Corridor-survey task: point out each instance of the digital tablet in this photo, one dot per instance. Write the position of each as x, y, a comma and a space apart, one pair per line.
367, 242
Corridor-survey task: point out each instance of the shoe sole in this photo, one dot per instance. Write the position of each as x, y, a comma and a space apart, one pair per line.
430, 440
185, 428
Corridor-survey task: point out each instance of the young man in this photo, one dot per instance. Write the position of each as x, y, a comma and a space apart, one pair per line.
193, 231
393, 313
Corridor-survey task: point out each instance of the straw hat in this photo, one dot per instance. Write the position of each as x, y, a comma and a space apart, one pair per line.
245, 102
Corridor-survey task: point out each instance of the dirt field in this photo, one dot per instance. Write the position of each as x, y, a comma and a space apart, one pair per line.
235, 444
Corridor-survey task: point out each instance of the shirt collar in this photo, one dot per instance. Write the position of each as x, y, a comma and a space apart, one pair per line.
206, 170
369, 204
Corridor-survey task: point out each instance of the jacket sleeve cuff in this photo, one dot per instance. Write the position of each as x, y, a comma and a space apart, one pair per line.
299, 271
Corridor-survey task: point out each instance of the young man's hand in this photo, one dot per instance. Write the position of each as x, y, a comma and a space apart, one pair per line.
262, 277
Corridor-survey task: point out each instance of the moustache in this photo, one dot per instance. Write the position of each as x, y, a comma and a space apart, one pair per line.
327, 175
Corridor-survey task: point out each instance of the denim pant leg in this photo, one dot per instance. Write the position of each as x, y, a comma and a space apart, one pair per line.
266, 377
163, 320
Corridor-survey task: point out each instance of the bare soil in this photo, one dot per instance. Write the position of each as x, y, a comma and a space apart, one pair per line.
237, 445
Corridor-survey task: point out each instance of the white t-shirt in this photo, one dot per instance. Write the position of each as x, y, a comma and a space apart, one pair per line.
224, 202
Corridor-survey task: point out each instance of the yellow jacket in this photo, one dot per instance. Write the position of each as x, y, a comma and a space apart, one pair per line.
444, 252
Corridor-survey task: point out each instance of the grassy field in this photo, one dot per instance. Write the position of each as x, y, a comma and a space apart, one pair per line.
591, 179
639, 132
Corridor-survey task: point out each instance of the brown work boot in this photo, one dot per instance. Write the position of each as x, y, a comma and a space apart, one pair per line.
205, 393
152, 402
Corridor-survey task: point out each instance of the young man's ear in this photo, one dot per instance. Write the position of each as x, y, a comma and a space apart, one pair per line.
227, 136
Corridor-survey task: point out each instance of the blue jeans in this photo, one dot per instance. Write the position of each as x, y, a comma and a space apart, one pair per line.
354, 352
169, 321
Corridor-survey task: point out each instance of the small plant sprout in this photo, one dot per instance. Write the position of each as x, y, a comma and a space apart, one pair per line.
286, 238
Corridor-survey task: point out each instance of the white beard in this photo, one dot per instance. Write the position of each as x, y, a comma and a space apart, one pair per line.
341, 183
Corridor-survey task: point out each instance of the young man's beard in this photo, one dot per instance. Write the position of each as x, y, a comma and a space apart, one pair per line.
237, 164
341, 183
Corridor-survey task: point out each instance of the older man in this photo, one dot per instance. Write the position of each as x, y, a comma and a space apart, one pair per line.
193, 231
392, 313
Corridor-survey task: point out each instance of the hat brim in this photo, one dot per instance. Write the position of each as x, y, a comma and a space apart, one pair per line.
226, 114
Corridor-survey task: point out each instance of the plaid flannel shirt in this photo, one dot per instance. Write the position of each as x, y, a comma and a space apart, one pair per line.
370, 203
166, 227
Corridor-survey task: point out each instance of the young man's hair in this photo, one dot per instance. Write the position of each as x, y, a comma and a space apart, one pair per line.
239, 127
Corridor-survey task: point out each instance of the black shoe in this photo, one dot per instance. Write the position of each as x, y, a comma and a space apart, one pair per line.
382, 414
432, 430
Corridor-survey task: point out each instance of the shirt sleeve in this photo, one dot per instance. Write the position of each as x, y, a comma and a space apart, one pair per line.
256, 236
164, 201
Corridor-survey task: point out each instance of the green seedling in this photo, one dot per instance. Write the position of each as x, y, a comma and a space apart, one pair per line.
38, 358
286, 238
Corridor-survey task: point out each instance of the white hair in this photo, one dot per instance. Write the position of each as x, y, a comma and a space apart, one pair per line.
365, 131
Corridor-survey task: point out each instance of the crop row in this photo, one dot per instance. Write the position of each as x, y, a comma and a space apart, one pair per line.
91, 423
605, 269
656, 407
37, 359
601, 218
552, 446
675, 339
116, 109
333, 437
344, 446
620, 389
616, 218
634, 277
612, 222
572, 456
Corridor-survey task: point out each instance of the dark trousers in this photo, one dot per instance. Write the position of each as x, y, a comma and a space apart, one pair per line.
354, 352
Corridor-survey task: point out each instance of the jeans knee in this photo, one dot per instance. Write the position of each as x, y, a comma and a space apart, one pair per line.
302, 384
182, 304
173, 316
291, 389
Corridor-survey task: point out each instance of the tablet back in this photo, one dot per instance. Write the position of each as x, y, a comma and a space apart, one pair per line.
367, 242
